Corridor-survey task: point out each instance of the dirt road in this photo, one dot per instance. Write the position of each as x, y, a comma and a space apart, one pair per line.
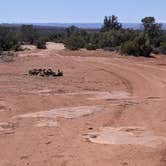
107, 110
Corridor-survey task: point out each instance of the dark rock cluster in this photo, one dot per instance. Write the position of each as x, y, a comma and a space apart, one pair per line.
45, 72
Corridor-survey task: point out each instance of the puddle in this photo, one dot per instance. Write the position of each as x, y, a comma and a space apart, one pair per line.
125, 136
110, 95
66, 112
48, 118
46, 123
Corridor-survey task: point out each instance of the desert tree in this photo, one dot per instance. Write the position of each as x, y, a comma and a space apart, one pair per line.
72, 30
138, 47
74, 42
28, 33
8, 39
111, 23
41, 43
152, 30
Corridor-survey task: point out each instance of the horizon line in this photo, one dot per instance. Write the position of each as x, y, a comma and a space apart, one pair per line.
71, 22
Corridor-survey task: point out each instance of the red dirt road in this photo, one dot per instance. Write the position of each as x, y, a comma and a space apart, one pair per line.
107, 110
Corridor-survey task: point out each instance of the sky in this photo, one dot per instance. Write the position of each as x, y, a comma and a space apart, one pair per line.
79, 11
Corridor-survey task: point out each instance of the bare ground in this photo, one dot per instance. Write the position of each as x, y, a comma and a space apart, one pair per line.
107, 110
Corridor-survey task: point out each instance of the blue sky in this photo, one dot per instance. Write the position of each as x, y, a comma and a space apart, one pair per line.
71, 11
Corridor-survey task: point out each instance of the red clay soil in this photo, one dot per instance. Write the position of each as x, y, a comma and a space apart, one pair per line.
106, 110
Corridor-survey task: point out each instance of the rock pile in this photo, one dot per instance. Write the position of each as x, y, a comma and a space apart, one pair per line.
45, 72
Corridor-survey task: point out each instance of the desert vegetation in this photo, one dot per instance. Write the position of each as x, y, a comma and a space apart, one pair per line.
150, 38
8, 39
11, 38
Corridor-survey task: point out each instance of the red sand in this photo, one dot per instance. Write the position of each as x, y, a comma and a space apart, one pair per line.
117, 96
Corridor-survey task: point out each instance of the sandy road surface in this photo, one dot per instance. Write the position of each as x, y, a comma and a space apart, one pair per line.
106, 110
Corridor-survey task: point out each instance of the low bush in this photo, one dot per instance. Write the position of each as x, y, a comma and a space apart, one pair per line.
41, 43
74, 42
143, 45
156, 51
8, 40
163, 48
138, 47
129, 48
91, 46
111, 48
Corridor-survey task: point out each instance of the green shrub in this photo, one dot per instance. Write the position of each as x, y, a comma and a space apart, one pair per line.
114, 38
91, 46
72, 30
74, 42
129, 48
163, 47
111, 48
111, 22
110, 39
28, 33
138, 47
145, 51
162, 38
92, 39
41, 43
143, 46
8, 40
152, 30
156, 51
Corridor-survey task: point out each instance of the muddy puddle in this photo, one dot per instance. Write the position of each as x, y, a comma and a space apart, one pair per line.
125, 136
46, 123
48, 118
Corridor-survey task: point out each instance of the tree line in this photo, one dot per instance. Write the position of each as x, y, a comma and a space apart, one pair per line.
12, 38
112, 36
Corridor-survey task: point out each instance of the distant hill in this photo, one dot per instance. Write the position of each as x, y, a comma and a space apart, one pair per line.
82, 25
92, 25
87, 25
